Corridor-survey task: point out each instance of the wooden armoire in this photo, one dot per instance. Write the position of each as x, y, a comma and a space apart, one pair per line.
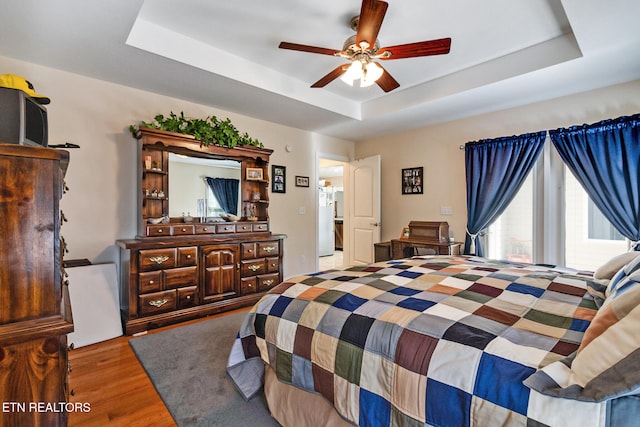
35, 314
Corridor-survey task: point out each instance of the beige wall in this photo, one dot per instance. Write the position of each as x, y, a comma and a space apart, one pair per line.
437, 149
101, 203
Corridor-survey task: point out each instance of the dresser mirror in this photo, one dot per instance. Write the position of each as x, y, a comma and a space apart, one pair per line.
190, 194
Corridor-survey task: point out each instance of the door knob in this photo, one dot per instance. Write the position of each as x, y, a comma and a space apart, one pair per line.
376, 224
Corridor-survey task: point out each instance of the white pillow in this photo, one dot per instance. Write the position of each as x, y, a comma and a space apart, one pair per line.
611, 267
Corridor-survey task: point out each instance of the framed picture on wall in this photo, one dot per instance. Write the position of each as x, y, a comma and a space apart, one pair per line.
412, 180
278, 179
302, 181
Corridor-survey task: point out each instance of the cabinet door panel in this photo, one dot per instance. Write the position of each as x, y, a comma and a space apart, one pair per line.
220, 272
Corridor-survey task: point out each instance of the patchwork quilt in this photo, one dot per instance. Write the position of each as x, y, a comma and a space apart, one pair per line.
438, 341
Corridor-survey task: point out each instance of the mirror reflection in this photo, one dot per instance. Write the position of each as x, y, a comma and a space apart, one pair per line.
203, 187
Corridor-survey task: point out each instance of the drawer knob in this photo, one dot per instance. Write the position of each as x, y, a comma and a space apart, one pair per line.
205, 229
268, 282
269, 249
184, 229
158, 302
151, 282
188, 297
159, 259
250, 250
159, 230
188, 256
254, 267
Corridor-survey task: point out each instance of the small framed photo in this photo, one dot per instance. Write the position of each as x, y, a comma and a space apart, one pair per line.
278, 179
254, 174
302, 181
405, 233
412, 180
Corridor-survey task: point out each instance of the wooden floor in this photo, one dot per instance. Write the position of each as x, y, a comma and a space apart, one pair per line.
109, 378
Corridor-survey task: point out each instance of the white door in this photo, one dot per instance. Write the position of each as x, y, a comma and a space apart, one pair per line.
364, 212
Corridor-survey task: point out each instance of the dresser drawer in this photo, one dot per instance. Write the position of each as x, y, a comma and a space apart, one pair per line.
205, 228
252, 267
248, 250
153, 259
267, 281
225, 228
260, 227
150, 282
158, 302
180, 277
182, 230
187, 297
158, 230
273, 264
187, 256
268, 249
248, 285
244, 228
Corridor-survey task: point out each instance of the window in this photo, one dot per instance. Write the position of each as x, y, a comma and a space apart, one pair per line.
213, 206
510, 237
599, 227
552, 220
590, 238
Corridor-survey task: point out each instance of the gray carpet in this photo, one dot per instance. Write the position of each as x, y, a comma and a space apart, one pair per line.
187, 367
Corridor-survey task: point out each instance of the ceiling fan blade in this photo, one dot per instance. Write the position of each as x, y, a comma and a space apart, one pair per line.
412, 50
386, 82
337, 72
371, 15
306, 48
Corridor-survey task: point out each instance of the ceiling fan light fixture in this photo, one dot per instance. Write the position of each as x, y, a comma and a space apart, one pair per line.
371, 73
365, 71
353, 73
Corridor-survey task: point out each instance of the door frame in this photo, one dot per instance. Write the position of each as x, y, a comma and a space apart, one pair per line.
345, 160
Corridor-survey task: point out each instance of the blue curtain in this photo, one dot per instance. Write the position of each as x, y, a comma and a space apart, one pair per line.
225, 191
604, 158
496, 169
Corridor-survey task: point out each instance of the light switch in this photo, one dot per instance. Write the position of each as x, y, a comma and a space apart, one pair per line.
302, 210
446, 210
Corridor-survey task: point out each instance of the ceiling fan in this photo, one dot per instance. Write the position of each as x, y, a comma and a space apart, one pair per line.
363, 47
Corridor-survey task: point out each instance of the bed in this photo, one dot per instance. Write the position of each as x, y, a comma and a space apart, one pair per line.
446, 341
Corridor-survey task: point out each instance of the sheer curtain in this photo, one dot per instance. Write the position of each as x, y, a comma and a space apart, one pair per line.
496, 169
225, 191
605, 157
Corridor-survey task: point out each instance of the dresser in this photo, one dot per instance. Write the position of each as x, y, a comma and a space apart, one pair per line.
35, 314
183, 266
166, 281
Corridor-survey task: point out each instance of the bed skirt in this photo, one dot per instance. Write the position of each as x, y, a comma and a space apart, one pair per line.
293, 407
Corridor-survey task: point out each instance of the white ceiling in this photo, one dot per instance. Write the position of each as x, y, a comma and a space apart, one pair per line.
225, 54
